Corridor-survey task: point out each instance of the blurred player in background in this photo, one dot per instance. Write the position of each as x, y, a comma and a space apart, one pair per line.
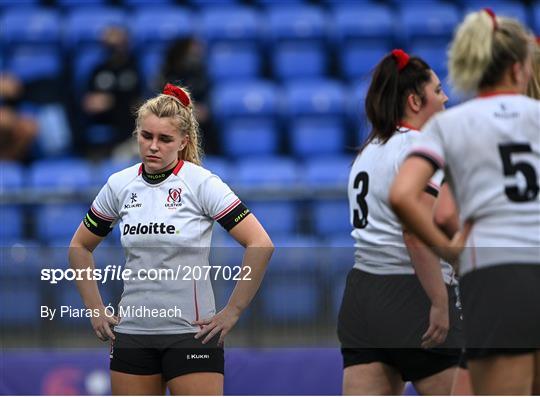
398, 302
490, 149
166, 207
534, 85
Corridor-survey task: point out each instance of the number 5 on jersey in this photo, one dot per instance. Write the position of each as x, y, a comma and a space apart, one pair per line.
360, 215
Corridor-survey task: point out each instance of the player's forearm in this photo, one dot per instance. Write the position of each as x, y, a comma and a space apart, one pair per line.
428, 270
417, 219
82, 258
255, 261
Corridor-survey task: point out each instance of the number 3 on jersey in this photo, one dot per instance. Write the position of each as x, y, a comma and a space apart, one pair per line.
511, 168
360, 215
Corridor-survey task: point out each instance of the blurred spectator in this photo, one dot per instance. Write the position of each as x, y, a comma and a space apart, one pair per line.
113, 93
184, 64
17, 132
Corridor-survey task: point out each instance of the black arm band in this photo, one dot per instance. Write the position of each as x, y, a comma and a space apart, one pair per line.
97, 225
233, 218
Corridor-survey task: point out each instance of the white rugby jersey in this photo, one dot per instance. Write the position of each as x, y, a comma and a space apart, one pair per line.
490, 150
164, 226
378, 233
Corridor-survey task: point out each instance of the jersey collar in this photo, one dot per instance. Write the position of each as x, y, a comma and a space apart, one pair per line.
175, 171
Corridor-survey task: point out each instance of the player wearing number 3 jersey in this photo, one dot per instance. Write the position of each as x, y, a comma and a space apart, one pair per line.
489, 148
399, 301
165, 208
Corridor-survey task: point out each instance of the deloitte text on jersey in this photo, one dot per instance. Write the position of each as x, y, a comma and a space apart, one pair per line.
151, 228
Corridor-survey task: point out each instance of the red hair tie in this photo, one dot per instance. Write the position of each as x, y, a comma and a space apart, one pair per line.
401, 57
490, 12
178, 93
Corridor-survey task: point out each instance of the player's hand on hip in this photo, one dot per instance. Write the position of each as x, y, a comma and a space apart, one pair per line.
439, 324
221, 323
104, 324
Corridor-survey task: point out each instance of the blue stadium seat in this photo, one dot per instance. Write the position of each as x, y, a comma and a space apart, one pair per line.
11, 227
254, 99
327, 171
288, 300
266, 172
320, 98
340, 254
297, 23
80, 3
249, 138
433, 25
276, 216
20, 305
358, 61
356, 105
296, 61
159, 25
84, 25
219, 166
22, 260
365, 24
317, 137
31, 66
30, 26
504, 8
69, 174
144, 3
11, 177
108, 167
230, 23
211, 3
57, 223
435, 56
18, 3
331, 217
279, 3
228, 61
295, 255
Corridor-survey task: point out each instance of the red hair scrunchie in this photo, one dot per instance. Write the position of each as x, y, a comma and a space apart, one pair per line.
401, 57
490, 12
177, 93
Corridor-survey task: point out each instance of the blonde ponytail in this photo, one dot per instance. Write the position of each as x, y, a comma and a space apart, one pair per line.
471, 51
484, 47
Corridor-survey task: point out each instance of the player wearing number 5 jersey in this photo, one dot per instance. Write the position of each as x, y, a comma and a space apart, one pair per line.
399, 303
489, 148
165, 208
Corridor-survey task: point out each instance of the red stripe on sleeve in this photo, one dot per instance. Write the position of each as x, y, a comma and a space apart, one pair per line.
227, 210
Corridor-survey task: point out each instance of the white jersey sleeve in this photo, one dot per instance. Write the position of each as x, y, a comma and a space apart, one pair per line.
216, 198
429, 145
105, 204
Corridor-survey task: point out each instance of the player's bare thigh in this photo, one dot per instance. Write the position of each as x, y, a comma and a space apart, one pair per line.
197, 384
136, 385
503, 374
371, 379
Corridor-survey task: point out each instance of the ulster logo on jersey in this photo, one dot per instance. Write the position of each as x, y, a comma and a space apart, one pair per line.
132, 202
174, 199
